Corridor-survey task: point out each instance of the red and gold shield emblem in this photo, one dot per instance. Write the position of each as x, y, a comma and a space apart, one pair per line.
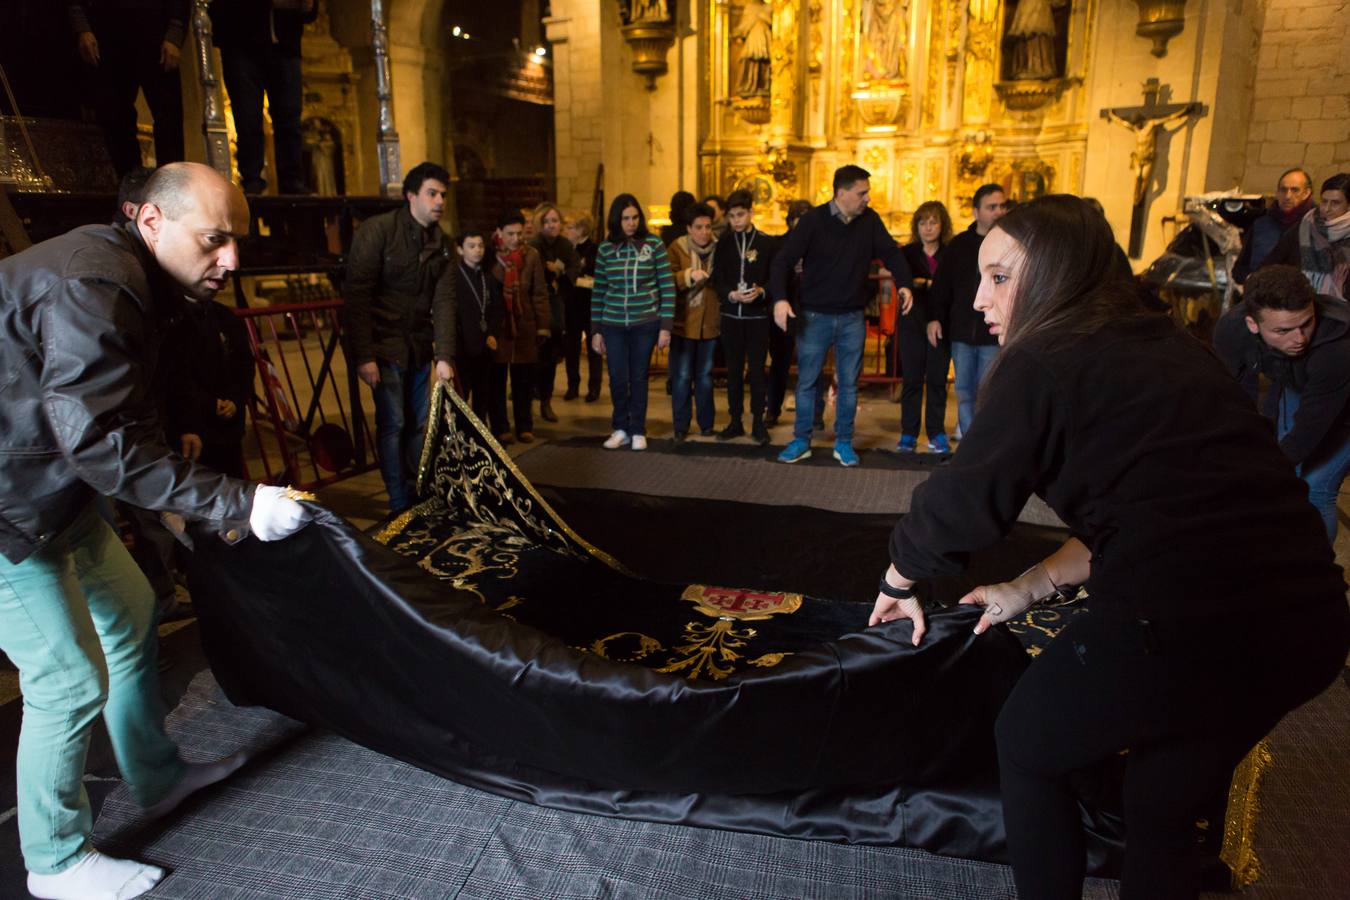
740, 603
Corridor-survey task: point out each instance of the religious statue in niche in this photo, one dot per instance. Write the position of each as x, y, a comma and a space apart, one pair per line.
1032, 39
885, 27
755, 30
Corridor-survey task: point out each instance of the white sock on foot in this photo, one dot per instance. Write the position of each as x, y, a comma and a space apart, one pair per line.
195, 777
96, 877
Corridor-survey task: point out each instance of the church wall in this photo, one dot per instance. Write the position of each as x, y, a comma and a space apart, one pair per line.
1300, 111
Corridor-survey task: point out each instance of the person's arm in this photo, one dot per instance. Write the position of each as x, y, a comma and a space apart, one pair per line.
571, 261
1242, 267
1322, 401
1233, 344
1286, 251
538, 285
445, 313
726, 268
892, 257
679, 267
600, 290
358, 289
790, 252
665, 285
96, 399
176, 16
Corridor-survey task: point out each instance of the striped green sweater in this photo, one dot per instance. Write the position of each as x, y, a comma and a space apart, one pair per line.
633, 284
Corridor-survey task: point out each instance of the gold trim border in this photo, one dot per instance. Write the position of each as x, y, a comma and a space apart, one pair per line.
1244, 807
434, 425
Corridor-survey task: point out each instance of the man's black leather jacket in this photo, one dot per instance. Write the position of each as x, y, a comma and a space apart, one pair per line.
78, 342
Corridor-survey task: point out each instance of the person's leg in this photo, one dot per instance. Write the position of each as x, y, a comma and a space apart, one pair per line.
152, 547
965, 357
284, 103
595, 368
640, 347
780, 362
47, 630
985, 353
814, 331
913, 364
850, 340
756, 356
164, 96
733, 348
389, 414
499, 422
576, 323
245, 79
523, 380
681, 362
704, 352
417, 397
114, 87
1324, 474
936, 364
546, 371
620, 390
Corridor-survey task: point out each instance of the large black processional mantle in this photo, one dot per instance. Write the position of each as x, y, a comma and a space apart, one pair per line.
478, 637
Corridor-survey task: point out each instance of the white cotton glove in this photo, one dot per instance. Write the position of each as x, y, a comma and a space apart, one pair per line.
275, 515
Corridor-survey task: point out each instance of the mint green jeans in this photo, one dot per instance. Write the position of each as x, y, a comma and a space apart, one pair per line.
77, 618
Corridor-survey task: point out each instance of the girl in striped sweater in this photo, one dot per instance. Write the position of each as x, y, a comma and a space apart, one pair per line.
632, 310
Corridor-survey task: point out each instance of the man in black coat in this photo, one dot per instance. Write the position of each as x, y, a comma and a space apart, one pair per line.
1301, 343
951, 310
83, 316
259, 43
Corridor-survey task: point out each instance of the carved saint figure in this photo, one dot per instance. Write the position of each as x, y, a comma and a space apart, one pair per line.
755, 29
649, 11
884, 28
1145, 153
1032, 33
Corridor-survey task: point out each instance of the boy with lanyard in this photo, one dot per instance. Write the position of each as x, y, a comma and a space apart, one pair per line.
740, 274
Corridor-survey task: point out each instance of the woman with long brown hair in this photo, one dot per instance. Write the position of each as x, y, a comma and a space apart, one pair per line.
924, 363
1214, 606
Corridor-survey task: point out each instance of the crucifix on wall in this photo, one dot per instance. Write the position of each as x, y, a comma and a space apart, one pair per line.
1147, 122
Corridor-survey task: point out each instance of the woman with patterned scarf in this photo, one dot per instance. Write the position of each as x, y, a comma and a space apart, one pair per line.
1320, 245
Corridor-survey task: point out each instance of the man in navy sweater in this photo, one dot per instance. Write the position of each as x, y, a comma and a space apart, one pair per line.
836, 243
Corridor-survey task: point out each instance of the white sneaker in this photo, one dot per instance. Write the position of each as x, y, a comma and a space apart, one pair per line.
618, 439
639, 442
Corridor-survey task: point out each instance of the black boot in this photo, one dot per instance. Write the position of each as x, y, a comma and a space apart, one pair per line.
758, 433
733, 430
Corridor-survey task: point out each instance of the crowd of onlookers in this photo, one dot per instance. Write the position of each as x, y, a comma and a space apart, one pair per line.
498, 311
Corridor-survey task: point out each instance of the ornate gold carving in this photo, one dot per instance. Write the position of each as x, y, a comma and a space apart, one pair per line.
981, 41
739, 603
707, 646
1030, 94
786, 36
909, 180
754, 110
649, 42
932, 180
932, 90
1160, 21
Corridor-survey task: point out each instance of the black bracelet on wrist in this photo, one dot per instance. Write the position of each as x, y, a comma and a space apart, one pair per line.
895, 593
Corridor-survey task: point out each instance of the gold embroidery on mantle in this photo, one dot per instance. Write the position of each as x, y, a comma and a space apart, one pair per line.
708, 645
739, 603
1239, 828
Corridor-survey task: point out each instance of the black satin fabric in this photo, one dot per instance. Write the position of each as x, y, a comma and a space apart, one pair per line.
483, 673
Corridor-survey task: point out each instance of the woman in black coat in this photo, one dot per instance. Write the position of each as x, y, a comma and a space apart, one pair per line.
924, 362
1215, 606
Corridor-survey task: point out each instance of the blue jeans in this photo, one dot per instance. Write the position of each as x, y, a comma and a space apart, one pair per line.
78, 619
817, 332
1323, 471
692, 359
628, 353
401, 400
971, 361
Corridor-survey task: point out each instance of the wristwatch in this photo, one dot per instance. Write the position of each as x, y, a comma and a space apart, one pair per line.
896, 593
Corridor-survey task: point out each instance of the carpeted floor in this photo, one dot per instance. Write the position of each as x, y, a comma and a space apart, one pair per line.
742, 473
319, 817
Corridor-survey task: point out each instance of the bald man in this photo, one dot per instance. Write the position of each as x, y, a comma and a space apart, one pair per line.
80, 315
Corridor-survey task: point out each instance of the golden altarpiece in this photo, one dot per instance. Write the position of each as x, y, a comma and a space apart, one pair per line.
933, 97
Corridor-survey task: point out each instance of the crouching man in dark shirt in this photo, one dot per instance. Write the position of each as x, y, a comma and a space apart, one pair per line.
1301, 343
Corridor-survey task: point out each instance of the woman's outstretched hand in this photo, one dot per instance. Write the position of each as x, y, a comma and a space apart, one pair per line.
1001, 602
888, 609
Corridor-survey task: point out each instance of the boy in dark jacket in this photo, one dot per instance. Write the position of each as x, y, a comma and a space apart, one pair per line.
741, 265
469, 313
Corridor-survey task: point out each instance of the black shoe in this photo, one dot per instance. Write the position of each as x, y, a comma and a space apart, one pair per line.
732, 431
706, 432
572, 394
681, 436
759, 434
771, 420
546, 411
592, 396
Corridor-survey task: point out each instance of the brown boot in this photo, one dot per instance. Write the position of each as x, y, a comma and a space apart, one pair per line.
546, 411
526, 437
505, 439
